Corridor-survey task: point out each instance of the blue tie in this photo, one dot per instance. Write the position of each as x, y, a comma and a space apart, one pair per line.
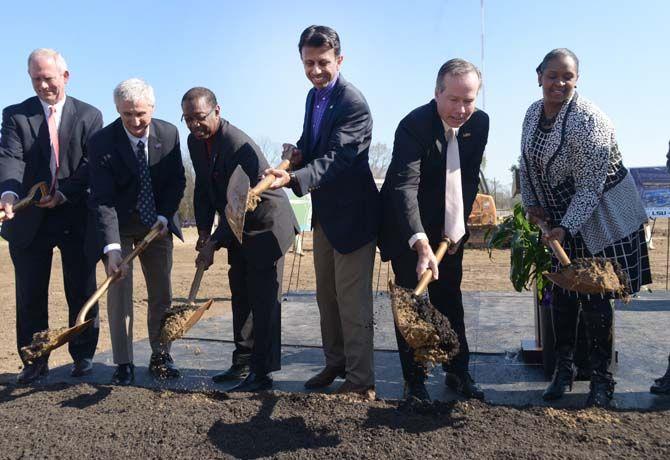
145, 198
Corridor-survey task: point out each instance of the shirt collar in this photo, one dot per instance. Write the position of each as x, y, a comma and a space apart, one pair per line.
447, 128
134, 140
325, 92
59, 106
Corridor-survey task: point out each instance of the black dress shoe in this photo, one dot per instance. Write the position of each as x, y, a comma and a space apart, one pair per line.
82, 367
234, 372
325, 377
124, 374
253, 383
162, 366
33, 371
463, 384
416, 391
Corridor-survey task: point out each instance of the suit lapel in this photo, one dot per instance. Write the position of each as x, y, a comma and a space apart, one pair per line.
124, 148
309, 108
65, 128
39, 128
155, 147
327, 119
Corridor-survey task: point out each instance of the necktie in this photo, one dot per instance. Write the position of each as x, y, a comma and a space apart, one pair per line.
454, 225
145, 198
54, 163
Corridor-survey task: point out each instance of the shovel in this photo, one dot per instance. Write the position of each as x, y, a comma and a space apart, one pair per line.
422, 326
597, 275
46, 341
240, 198
180, 318
30, 198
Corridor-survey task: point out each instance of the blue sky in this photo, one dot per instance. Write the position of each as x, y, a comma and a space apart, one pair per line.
246, 52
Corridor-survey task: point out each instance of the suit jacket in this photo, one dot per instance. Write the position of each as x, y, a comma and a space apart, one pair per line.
115, 178
335, 169
269, 229
25, 154
413, 192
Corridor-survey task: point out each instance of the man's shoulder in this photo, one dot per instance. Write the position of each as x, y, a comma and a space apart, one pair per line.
421, 119
235, 137
479, 118
351, 95
104, 135
84, 108
26, 107
164, 126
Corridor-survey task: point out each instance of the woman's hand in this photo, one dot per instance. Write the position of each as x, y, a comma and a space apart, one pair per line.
536, 214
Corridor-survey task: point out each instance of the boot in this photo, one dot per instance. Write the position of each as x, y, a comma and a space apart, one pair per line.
661, 385
601, 389
564, 375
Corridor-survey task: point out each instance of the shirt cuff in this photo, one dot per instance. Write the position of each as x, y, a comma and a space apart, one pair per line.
8, 192
111, 247
163, 220
62, 196
416, 237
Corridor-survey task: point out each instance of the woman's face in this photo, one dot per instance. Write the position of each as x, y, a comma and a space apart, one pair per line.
558, 79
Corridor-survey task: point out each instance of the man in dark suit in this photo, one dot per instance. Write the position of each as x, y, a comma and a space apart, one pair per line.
45, 138
137, 182
256, 265
428, 194
331, 163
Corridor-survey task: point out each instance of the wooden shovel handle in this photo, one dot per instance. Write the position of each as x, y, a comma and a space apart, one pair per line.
155, 231
29, 198
265, 183
555, 246
427, 276
195, 285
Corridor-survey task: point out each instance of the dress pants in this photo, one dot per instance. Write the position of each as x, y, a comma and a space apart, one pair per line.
256, 304
445, 295
32, 270
344, 297
156, 261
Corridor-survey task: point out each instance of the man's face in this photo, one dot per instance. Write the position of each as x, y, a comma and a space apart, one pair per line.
321, 65
456, 102
201, 118
136, 116
47, 79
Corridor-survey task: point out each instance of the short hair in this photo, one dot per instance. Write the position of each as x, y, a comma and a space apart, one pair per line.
49, 53
198, 92
135, 90
318, 36
456, 67
555, 53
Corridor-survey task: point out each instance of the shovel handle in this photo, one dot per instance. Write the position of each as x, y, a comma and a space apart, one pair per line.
29, 198
195, 285
555, 246
427, 276
153, 233
267, 181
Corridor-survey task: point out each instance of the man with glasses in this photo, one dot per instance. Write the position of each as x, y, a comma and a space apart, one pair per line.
137, 182
217, 148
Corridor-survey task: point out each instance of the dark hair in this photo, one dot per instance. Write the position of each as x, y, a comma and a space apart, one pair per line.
196, 93
455, 66
318, 36
555, 53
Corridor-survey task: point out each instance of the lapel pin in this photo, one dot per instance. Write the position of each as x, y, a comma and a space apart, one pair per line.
466, 134
157, 146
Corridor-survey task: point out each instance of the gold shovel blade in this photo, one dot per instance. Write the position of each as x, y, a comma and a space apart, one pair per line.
237, 195
37, 350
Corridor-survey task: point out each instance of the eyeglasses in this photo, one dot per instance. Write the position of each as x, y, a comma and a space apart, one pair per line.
189, 120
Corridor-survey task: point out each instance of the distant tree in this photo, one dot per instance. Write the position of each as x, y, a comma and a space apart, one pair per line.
186, 206
379, 158
271, 150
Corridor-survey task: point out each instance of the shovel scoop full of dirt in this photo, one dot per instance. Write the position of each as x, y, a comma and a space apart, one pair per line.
174, 322
43, 342
423, 327
596, 275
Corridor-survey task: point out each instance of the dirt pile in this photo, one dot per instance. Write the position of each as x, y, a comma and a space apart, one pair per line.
43, 342
596, 275
172, 327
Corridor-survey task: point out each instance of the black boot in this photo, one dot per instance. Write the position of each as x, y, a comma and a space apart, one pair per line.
564, 375
661, 386
601, 390
599, 325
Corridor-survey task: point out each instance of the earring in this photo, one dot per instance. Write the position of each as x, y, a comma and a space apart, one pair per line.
539, 84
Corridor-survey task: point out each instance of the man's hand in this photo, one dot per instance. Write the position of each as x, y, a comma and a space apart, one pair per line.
51, 201
556, 233
203, 236
164, 227
296, 155
536, 214
282, 178
426, 260
114, 264
454, 247
206, 254
7, 205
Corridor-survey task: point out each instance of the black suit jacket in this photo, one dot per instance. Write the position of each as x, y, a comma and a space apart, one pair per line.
335, 169
115, 178
413, 191
25, 154
269, 229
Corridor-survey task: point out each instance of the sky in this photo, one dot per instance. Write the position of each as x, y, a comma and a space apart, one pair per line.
246, 52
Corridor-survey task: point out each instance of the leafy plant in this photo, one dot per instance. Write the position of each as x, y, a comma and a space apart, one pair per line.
529, 257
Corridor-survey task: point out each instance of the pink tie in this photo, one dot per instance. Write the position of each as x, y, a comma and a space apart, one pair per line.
54, 164
454, 225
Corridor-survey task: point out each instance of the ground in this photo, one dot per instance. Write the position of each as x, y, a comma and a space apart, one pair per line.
103, 421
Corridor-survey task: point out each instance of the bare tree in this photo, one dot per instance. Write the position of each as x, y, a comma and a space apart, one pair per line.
379, 158
186, 206
271, 150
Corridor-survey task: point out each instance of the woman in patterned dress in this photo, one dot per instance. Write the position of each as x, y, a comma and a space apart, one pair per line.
572, 178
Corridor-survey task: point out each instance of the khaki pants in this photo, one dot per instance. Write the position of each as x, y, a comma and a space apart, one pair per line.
156, 261
344, 296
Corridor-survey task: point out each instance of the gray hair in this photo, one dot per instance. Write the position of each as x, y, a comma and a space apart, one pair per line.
555, 53
455, 67
134, 90
48, 53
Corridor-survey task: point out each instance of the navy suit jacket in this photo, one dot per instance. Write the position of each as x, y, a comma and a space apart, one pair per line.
25, 155
413, 191
335, 169
115, 178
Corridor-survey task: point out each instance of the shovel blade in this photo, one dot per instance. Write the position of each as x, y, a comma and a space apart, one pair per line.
31, 352
236, 207
195, 317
